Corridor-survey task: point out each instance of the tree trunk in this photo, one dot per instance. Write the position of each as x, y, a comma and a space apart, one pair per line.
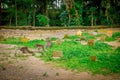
0, 13
43, 8
106, 13
34, 17
92, 19
77, 18
15, 13
10, 21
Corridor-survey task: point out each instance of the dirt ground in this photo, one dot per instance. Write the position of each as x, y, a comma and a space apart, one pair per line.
32, 68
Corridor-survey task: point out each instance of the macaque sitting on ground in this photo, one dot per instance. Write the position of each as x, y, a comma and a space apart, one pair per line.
39, 47
24, 50
48, 43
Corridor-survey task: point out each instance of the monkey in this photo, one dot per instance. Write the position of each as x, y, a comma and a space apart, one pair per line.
40, 46
48, 43
24, 50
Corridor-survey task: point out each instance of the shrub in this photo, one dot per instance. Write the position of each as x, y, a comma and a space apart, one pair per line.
43, 20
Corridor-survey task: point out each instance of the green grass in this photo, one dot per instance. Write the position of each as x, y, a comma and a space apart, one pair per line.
110, 39
54, 38
100, 35
17, 41
73, 37
77, 56
86, 35
114, 36
117, 50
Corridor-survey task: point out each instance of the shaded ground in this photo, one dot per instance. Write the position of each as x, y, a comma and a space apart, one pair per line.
31, 68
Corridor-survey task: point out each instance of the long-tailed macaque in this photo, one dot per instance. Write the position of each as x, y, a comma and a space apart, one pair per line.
24, 50
48, 43
39, 47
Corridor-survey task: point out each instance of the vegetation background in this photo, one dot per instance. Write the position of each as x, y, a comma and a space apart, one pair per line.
59, 12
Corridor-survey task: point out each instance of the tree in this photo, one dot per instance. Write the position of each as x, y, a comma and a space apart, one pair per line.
0, 12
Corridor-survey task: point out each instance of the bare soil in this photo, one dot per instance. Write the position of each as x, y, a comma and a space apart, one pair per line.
32, 68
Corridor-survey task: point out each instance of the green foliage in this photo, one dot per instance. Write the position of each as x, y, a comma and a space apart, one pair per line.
73, 37
117, 50
43, 20
101, 46
64, 18
102, 12
87, 36
116, 35
110, 39
100, 35
17, 41
54, 17
54, 38
55, 22
77, 56
12, 40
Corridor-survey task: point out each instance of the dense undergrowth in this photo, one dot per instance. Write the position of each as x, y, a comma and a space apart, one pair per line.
76, 56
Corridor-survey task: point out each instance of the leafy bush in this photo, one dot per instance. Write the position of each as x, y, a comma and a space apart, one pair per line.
43, 20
